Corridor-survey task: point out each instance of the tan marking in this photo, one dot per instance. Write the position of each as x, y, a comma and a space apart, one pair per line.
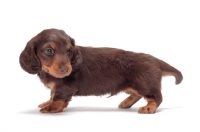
53, 45
132, 99
150, 108
54, 107
45, 68
50, 85
48, 45
54, 69
129, 101
167, 74
131, 91
68, 46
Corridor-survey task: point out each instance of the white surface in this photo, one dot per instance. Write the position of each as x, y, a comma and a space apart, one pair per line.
167, 29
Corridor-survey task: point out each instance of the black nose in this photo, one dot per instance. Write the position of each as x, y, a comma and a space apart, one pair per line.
63, 69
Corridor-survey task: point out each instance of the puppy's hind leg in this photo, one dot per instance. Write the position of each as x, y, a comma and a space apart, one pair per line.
131, 100
153, 102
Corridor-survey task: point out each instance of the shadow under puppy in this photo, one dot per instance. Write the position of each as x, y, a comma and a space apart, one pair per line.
70, 70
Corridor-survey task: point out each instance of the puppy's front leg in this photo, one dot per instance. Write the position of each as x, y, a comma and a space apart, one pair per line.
54, 107
59, 102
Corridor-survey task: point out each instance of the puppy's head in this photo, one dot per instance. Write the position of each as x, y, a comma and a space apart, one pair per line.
52, 51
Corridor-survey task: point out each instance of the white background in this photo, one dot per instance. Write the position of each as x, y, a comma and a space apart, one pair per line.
167, 29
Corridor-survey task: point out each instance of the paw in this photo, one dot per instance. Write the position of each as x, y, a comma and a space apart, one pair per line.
44, 104
147, 110
53, 107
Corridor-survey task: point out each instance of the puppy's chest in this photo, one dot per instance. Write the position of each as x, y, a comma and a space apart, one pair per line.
48, 82
50, 85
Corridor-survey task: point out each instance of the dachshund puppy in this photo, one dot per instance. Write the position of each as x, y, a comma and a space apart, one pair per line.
70, 70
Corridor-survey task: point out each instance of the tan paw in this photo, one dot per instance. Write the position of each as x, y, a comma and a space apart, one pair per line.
54, 107
149, 109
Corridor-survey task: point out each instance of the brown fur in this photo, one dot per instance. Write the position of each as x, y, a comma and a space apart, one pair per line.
83, 71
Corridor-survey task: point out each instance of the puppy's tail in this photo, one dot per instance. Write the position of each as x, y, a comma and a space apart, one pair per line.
168, 70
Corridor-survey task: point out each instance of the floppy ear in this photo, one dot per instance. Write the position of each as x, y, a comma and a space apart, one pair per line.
72, 41
28, 59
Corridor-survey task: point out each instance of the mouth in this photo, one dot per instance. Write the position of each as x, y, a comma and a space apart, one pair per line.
58, 75
58, 72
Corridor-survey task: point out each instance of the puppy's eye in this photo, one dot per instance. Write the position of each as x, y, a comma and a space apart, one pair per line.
69, 52
49, 51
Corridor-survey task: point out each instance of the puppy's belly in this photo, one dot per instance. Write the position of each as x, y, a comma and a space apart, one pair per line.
94, 91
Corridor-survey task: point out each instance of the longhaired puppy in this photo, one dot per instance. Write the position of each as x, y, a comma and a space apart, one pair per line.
70, 70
